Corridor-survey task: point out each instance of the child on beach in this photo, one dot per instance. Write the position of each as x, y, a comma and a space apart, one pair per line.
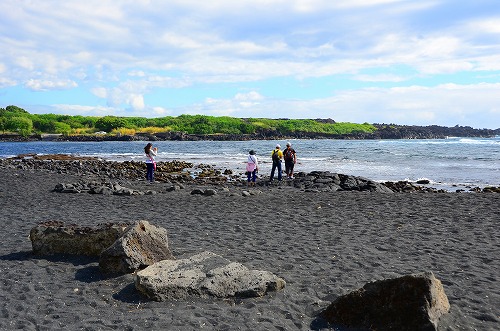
150, 161
252, 168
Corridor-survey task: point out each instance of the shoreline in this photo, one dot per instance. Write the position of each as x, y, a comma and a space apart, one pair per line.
449, 164
324, 244
187, 172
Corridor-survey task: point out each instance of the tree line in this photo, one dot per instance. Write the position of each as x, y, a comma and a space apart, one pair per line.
14, 119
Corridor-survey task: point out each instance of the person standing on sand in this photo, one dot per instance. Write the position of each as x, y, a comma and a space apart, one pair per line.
290, 158
150, 161
252, 168
277, 155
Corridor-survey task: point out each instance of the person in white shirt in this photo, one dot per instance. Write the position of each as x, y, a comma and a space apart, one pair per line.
150, 161
252, 168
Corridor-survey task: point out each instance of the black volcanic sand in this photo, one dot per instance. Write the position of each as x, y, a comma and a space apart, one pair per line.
323, 244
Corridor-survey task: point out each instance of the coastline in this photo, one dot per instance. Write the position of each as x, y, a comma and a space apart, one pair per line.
324, 244
384, 131
182, 172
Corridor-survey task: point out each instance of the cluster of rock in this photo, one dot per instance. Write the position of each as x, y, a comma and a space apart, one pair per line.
412, 302
331, 182
179, 173
95, 187
143, 248
487, 189
205, 192
328, 181
84, 166
408, 187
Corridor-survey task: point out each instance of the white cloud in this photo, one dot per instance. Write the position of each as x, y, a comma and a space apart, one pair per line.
239, 104
81, 110
46, 85
160, 111
380, 78
489, 25
136, 101
137, 73
6, 82
100, 92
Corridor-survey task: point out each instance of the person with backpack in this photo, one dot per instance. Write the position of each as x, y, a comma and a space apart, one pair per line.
277, 155
290, 158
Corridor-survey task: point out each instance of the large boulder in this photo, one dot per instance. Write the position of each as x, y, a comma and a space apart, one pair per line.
54, 237
141, 245
204, 275
413, 302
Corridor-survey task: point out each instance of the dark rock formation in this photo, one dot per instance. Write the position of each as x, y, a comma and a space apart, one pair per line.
94, 187
67, 164
328, 181
409, 303
405, 186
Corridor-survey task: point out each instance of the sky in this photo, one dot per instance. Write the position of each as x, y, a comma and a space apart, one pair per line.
409, 62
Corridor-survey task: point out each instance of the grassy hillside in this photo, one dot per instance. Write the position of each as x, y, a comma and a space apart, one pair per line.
17, 120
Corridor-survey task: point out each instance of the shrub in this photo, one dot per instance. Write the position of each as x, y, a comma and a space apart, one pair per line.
124, 132
62, 128
23, 125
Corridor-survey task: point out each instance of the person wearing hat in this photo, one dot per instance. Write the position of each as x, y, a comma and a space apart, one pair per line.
290, 158
252, 168
277, 155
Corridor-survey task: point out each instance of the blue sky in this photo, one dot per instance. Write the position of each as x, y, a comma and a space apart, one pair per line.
421, 62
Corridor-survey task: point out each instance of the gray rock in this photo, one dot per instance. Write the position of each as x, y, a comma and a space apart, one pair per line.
173, 188
204, 275
209, 192
93, 187
351, 184
57, 238
141, 245
412, 302
378, 187
197, 191
324, 180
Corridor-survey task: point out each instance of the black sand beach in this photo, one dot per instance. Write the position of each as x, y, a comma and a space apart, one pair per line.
324, 244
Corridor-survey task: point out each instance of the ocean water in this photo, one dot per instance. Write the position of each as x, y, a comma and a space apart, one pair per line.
449, 164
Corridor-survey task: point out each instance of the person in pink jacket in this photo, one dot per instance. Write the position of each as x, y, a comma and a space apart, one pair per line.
150, 161
252, 168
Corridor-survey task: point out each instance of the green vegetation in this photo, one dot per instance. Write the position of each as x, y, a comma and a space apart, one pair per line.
17, 120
